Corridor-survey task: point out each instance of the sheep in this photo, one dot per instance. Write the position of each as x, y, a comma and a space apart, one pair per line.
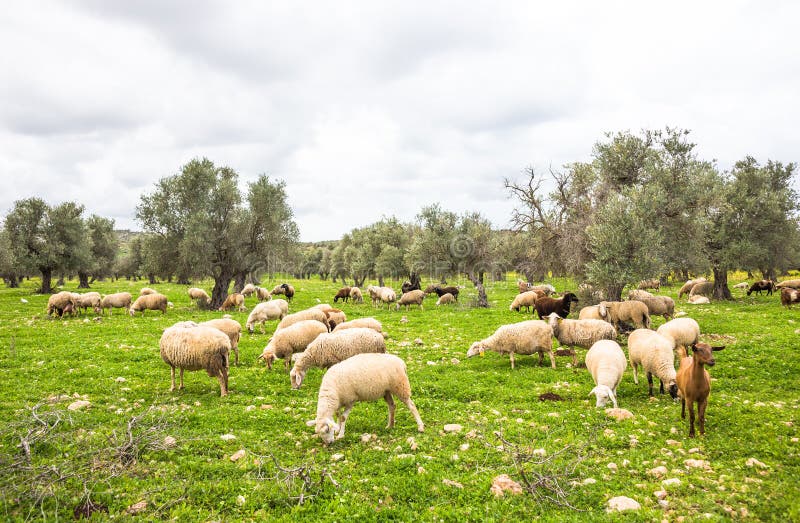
333, 316
525, 337
355, 295
294, 338
682, 332
369, 323
57, 302
659, 306
638, 294
307, 314
742, 285
285, 289
581, 333
119, 300
547, 305
525, 299
200, 295
365, 377
694, 383
330, 349
263, 294
439, 290
232, 329
591, 312
233, 300
653, 352
704, 288
412, 297
69, 309
153, 302
546, 288
699, 300
606, 363
687, 287
388, 296
248, 290
342, 294
89, 299
196, 348
374, 294
445, 299
616, 312
523, 286
762, 285
789, 296
269, 310
407, 286
147, 290
792, 284
654, 283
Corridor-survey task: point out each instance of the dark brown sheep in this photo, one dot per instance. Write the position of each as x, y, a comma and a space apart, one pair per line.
547, 305
343, 294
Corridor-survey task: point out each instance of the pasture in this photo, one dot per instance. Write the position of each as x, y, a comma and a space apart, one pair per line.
139, 450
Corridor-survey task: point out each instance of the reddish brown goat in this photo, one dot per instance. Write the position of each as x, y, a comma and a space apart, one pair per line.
343, 294
694, 383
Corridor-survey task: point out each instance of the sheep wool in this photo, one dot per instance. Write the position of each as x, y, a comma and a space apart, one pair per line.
792, 284
702, 289
659, 306
653, 353
196, 348
591, 312
687, 287
248, 290
330, 349
57, 302
699, 300
525, 299
446, 299
388, 296
292, 339
525, 337
199, 294
580, 333
233, 300
153, 302
147, 290
87, 300
355, 295
263, 294
364, 377
367, 323
307, 314
616, 312
232, 329
682, 332
638, 294
412, 297
119, 300
606, 363
266, 311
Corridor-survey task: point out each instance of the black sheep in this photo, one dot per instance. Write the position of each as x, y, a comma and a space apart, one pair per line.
546, 306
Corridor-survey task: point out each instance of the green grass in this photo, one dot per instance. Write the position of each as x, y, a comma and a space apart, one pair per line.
752, 414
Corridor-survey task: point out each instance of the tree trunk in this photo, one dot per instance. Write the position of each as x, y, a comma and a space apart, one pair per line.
83, 280
415, 280
380, 281
183, 280
220, 290
614, 292
60, 282
47, 281
238, 281
359, 283
152, 279
11, 281
721, 290
483, 301
770, 274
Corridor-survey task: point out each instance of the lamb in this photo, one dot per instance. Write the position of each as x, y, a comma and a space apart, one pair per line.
792, 284
525, 337
196, 348
616, 312
523, 286
606, 363
232, 329
654, 283
263, 294
445, 299
387, 296
263, 312
638, 294
294, 338
591, 312
200, 295
147, 290
439, 290
57, 302
365, 377
699, 300
330, 349
153, 302
342, 294
704, 288
355, 295
694, 383
233, 300
248, 290
307, 314
525, 299
742, 285
653, 352
546, 306
762, 285
119, 300
789, 296
581, 333
659, 306
687, 287
374, 294
89, 299
682, 332
412, 297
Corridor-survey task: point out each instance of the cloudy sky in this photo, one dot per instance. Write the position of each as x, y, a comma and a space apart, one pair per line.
376, 108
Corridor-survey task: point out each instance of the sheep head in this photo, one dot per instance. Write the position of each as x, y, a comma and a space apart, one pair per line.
477, 348
604, 393
325, 428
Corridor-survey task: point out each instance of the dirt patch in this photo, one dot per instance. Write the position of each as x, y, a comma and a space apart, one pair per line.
550, 396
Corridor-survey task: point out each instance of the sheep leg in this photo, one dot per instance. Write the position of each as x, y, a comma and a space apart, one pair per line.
661, 386
413, 408
392, 407
512, 360
552, 358
701, 415
172, 376
236, 351
683, 408
635, 374
181, 387
650, 384
223, 381
343, 420
691, 419
574, 358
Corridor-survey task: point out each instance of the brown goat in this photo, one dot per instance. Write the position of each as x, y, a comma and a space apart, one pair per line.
694, 383
343, 294
789, 296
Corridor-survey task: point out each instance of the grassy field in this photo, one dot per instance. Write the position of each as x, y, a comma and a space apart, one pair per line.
118, 452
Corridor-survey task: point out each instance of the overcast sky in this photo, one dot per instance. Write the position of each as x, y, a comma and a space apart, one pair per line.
376, 108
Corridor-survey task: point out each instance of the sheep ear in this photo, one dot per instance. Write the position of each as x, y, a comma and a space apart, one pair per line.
311, 423
613, 397
718, 348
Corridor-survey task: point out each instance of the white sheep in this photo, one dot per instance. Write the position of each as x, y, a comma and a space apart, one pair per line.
616, 312
200, 295
580, 333
59, 301
153, 302
266, 311
446, 299
233, 300
388, 296
590, 312
355, 295
699, 300
89, 299
329, 349
196, 348
367, 323
364, 377
792, 284
307, 314
546, 288
743, 285
248, 290
413, 297
333, 316
292, 339
525, 299
119, 300
687, 287
525, 337
636, 294
606, 363
147, 290
653, 352
682, 332
659, 306
231, 328
705, 288
263, 294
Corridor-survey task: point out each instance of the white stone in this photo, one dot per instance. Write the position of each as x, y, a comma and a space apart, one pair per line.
453, 427
621, 503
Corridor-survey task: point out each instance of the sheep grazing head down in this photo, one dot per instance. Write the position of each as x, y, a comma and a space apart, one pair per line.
673, 389
296, 377
326, 429
604, 394
476, 349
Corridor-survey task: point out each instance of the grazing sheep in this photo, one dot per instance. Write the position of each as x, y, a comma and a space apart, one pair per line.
653, 352
654, 283
87, 300
440, 291
789, 296
388, 296
792, 284
355, 295
592, 312
263, 294
294, 338
704, 288
682, 332
342, 294
659, 306
412, 297
233, 300
525, 299
445, 299
200, 295
232, 329
694, 383
288, 291
699, 300
69, 309
196, 348
365, 377
329, 349
546, 288
616, 312
374, 293
580, 333
367, 323
742, 285
147, 290
606, 363
762, 285
248, 290
263, 312
546, 306
152, 302
307, 314
523, 286
525, 337
687, 287
407, 286
119, 300
57, 302
638, 294
334, 316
